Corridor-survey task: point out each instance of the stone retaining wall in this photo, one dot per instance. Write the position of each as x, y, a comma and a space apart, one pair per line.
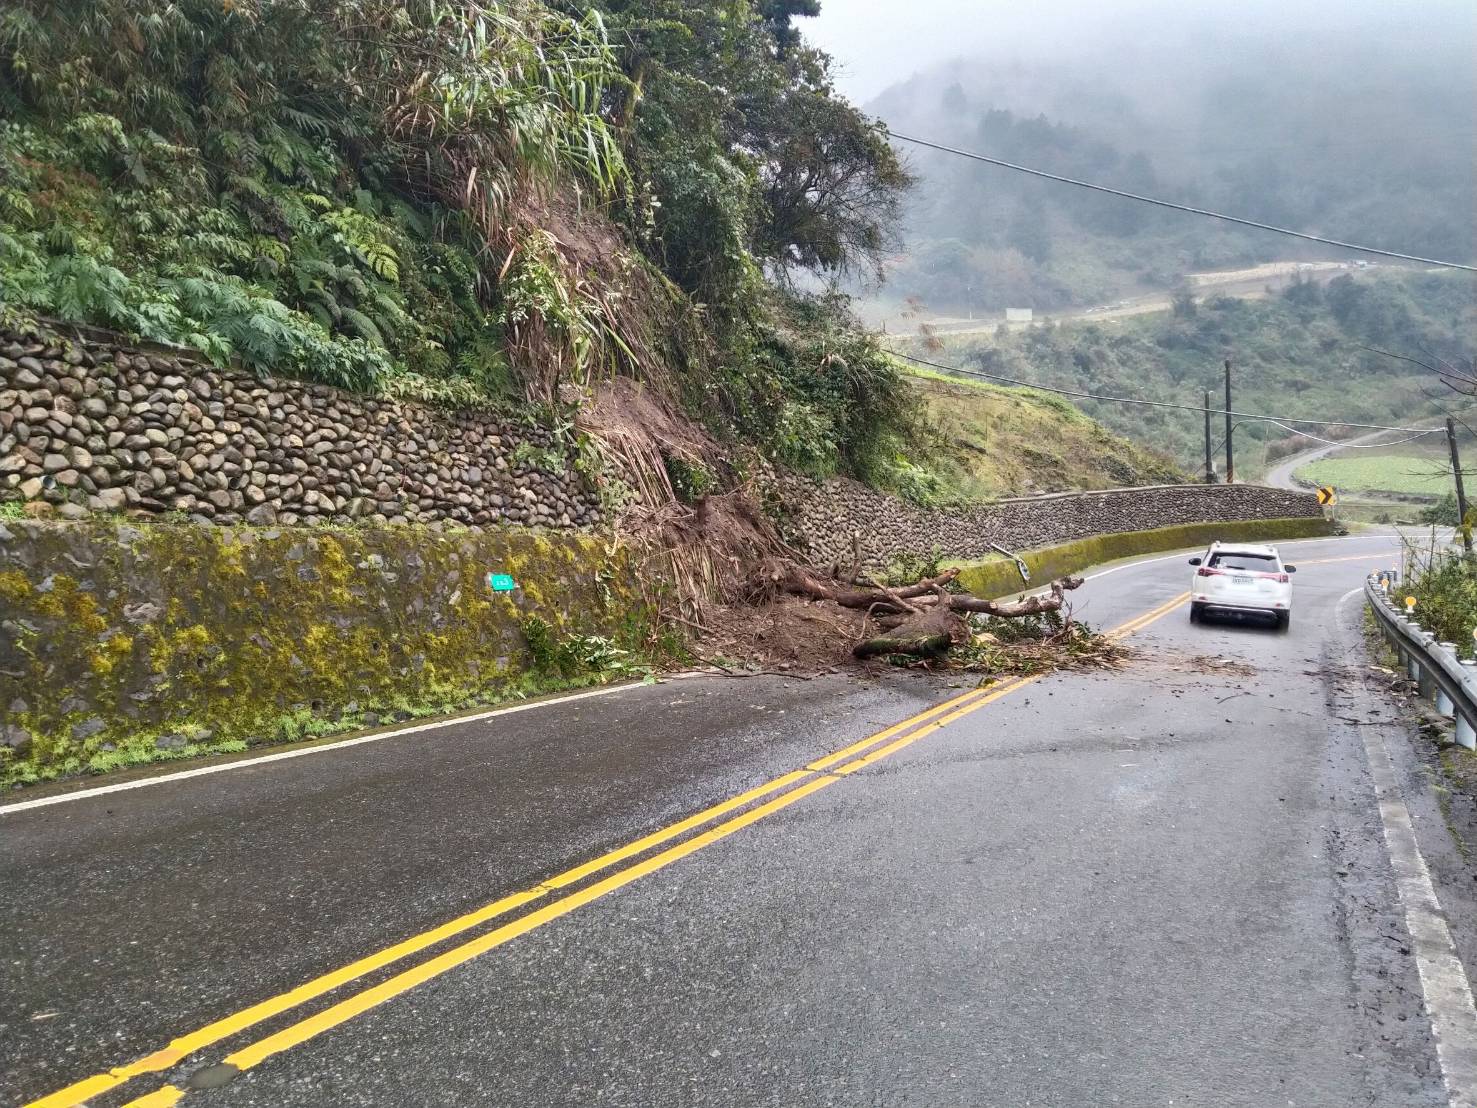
92, 423
825, 518
89, 422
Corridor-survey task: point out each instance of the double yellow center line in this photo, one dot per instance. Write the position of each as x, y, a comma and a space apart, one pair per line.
1138, 623
790, 787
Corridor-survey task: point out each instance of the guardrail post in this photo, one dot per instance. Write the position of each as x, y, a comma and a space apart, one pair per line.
1412, 664
1466, 734
1444, 703
1428, 685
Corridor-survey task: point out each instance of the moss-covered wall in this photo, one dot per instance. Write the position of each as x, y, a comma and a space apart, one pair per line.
130, 643
997, 576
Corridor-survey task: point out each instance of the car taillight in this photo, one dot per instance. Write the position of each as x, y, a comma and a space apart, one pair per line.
1283, 578
1206, 571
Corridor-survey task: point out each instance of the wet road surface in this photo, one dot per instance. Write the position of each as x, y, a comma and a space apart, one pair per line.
1165, 885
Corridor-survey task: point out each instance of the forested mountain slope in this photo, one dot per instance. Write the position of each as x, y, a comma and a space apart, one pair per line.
1329, 134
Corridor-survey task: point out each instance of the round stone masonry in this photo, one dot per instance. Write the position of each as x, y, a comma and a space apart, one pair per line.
826, 518
90, 422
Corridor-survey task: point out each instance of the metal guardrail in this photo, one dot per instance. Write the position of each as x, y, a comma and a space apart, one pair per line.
1443, 678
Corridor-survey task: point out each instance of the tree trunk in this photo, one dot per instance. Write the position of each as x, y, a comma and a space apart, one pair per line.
802, 582
1013, 609
924, 635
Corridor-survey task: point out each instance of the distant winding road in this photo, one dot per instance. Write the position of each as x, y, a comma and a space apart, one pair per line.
1280, 476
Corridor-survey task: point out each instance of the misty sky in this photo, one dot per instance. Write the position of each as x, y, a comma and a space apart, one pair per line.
877, 43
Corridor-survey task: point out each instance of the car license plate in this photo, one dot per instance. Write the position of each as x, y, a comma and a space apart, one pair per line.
1239, 580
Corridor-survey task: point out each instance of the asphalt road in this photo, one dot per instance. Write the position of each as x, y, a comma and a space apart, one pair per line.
1164, 885
1280, 475
1254, 287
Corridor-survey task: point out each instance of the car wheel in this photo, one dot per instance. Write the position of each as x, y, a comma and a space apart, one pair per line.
1283, 619
1197, 612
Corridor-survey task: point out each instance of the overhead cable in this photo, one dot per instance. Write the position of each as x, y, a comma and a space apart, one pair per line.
1353, 445
1178, 207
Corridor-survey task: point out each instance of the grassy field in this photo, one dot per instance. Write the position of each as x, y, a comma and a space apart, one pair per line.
1404, 474
1001, 442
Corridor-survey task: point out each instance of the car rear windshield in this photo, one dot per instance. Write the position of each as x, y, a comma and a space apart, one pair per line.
1257, 563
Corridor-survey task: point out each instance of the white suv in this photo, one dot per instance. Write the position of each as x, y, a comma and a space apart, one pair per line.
1236, 578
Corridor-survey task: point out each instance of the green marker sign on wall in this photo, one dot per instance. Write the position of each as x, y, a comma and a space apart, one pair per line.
501, 582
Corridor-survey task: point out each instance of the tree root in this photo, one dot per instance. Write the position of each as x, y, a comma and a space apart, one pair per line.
922, 619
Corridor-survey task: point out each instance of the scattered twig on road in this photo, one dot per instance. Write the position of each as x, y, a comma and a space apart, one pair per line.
725, 671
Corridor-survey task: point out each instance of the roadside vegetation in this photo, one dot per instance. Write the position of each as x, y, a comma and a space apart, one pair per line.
990, 441
1444, 582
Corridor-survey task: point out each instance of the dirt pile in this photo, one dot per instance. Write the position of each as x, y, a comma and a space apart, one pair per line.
720, 570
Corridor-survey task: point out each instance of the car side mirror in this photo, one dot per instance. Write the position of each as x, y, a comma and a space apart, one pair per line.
1290, 569
1194, 561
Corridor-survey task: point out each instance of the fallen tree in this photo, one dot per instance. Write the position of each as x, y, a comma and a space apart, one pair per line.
922, 619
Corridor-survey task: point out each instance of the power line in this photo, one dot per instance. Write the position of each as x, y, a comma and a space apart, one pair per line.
1179, 207
1345, 445
1353, 445
1162, 403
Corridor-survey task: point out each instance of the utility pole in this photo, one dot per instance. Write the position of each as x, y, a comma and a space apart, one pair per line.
1230, 465
1209, 465
1461, 492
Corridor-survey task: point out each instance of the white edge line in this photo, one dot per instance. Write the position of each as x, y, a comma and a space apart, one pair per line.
1279, 545
1136, 562
303, 752
1444, 983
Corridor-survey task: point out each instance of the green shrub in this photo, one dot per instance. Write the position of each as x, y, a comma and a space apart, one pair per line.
911, 567
691, 479
577, 656
1446, 596
1443, 512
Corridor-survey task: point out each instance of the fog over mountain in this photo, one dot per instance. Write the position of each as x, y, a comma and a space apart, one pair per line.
1350, 120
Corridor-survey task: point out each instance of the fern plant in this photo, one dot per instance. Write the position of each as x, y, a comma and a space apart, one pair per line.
285, 183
